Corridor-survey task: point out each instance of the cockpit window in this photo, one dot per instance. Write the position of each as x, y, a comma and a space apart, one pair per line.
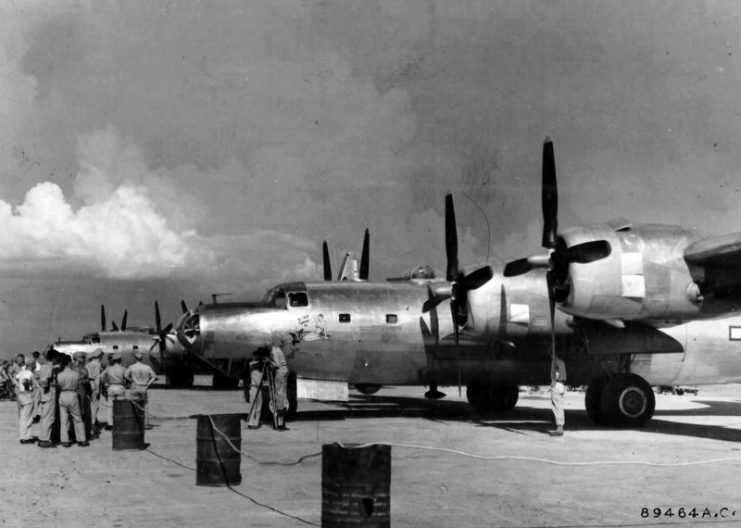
279, 298
297, 299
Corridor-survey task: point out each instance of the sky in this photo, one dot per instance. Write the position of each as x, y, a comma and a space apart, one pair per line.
172, 149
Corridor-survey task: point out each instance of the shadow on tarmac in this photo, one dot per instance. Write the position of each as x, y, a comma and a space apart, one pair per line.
523, 418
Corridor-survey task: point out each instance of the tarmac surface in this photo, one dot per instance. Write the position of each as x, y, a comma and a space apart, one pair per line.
451, 467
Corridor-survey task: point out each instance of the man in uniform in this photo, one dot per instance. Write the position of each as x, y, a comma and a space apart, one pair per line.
69, 404
25, 389
113, 378
558, 390
256, 369
93, 372
140, 377
83, 392
48, 399
280, 372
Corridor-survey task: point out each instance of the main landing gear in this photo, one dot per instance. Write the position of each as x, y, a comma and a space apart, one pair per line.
492, 398
620, 400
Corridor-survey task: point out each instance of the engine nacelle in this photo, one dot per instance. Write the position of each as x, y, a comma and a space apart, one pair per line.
510, 308
644, 276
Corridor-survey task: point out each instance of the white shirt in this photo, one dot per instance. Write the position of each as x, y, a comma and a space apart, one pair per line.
24, 374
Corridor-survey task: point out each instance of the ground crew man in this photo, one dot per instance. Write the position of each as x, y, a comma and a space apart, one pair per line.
48, 399
113, 379
280, 372
69, 405
558, 391
25, 389
83, 392
140, 377
256, 368
34, 366
93, 372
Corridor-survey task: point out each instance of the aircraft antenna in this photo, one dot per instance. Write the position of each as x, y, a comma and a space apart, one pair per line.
488, 227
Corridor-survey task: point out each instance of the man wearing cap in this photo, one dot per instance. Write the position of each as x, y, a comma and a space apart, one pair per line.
69, 404
25, 390
93, 372
558, 391
47, 380
83, 391
113, 378
140, 377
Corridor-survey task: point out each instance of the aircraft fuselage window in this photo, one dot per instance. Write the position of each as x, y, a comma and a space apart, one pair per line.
136, 347
392, 318
344, 318
115, 347
298, 299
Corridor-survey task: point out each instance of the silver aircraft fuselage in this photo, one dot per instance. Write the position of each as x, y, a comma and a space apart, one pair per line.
379, 333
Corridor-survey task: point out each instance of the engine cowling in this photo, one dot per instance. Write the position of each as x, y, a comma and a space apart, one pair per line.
644, 276
509, 308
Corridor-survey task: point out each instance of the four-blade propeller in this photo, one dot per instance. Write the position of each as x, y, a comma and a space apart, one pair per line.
561, 256
163, 334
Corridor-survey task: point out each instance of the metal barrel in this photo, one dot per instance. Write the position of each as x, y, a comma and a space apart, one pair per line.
128, 426
355, 486
217, 462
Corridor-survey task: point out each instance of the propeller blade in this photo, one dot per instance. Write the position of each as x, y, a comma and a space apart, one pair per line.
183, 306
457, 347
365, 257
588, 252
123, 321
166, 330
474, 281
114, 326
517, 267
549, 196
327, 264
157, 318
154, 344
102, 318
451, 240
503, 319
433, 299
550, 282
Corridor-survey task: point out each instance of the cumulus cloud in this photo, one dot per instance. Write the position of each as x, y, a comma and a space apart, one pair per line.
120, 236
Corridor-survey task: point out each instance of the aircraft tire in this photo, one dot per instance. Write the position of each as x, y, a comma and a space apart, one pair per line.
503, 398
593, 399
367, 388
476, 397
627, 401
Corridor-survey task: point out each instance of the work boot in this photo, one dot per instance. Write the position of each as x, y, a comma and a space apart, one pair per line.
83, 444
557, 432
46, 444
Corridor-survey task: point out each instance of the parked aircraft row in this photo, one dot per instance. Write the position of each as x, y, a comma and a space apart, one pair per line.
627, 307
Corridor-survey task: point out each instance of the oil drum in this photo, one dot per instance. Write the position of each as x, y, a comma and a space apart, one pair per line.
128, 426
355, 486
217, 462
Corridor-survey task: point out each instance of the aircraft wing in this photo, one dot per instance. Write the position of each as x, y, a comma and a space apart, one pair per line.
722, 250
720, 259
